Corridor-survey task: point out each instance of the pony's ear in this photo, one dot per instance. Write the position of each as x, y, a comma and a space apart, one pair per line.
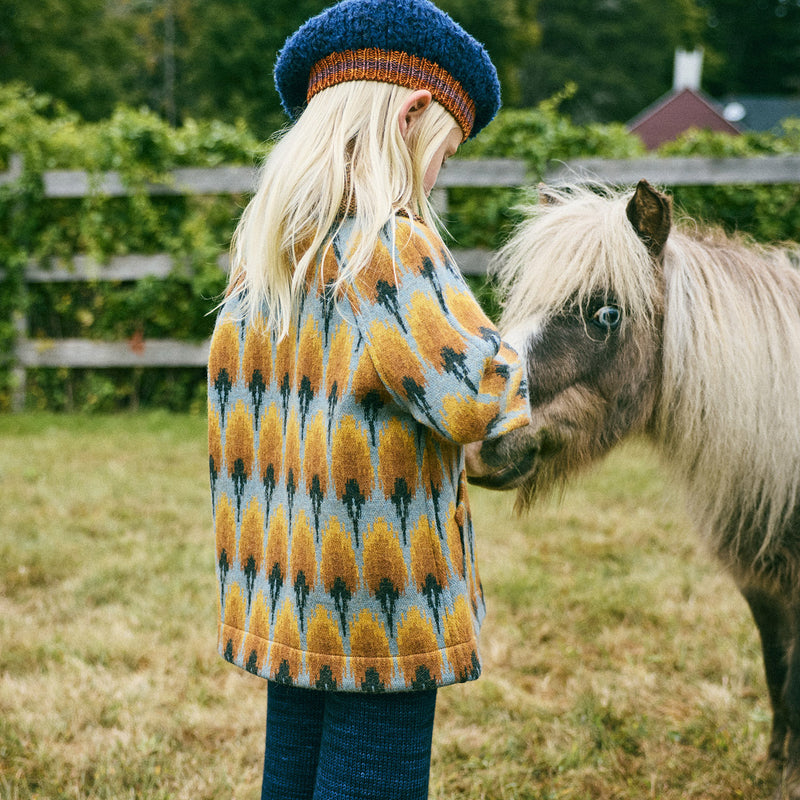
546, 197
650, 213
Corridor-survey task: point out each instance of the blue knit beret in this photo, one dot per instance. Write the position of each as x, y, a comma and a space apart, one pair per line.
411, 43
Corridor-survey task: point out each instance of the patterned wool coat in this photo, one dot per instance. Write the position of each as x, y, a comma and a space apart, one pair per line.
344, 545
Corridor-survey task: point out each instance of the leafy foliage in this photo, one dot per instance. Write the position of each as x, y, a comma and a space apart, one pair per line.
507, 28
81, 51
753, 46
619, 53
214, 59
768, 213
195, 230
209, 60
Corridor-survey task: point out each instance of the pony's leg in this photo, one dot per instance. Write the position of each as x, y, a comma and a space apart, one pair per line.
791, 698
769, 614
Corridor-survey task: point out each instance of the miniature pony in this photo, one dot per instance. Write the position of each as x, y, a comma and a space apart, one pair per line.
630, 324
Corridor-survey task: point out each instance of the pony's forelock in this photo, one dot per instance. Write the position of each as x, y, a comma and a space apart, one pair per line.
573, 248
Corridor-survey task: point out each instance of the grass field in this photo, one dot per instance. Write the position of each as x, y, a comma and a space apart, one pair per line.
618, 661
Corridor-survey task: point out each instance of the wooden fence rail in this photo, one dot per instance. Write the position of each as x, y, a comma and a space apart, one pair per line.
59, 184
680, 171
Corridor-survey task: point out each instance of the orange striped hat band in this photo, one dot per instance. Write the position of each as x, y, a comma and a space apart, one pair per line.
403, 69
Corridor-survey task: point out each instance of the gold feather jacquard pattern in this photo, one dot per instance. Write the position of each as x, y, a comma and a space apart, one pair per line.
345, 554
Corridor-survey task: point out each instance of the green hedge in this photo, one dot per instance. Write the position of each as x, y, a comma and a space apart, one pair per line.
769, 213
194, 230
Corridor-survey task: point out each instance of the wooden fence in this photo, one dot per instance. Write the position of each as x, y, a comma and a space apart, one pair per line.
75, 352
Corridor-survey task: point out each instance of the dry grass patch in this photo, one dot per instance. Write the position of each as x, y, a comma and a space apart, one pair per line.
618, 661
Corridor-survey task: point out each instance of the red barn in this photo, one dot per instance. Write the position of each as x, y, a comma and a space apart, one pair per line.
685, 107
679, 111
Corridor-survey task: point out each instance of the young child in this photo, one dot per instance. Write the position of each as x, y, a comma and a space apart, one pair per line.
348, 367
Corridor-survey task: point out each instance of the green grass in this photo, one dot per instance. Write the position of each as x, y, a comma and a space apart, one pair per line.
619, 662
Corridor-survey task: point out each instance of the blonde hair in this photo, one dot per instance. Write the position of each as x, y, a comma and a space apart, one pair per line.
344, 153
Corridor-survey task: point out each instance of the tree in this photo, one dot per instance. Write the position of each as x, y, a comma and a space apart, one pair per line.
754, 46
208, 60
83, 52
618, 53
225, 67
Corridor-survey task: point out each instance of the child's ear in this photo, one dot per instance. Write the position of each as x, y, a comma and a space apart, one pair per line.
412, 109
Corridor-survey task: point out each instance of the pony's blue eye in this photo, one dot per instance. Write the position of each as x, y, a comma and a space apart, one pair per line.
608, 318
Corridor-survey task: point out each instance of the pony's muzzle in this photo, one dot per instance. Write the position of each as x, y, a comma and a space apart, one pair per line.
505, 462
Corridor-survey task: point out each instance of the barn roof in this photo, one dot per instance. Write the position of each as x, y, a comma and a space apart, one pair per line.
677, 112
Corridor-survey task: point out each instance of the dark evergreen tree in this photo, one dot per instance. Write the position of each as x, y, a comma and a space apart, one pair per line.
754, 47
618, 54
84, 53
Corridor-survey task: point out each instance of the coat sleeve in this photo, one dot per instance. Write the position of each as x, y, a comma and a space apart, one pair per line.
434, 349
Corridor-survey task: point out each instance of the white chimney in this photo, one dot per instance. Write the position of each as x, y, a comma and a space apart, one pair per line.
688, 69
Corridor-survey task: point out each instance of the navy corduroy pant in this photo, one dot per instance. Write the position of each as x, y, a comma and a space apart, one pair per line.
346, 745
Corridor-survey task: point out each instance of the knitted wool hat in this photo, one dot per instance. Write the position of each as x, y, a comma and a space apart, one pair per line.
406, 42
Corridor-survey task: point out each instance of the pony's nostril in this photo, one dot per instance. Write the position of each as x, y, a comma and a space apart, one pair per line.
473, 455
487, 453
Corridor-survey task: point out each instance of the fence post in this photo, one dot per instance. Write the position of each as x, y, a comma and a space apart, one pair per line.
14, 171
18, 372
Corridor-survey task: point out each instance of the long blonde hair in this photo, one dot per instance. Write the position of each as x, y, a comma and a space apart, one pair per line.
344, 153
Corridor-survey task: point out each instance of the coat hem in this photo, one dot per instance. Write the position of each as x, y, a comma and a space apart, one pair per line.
281, 663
